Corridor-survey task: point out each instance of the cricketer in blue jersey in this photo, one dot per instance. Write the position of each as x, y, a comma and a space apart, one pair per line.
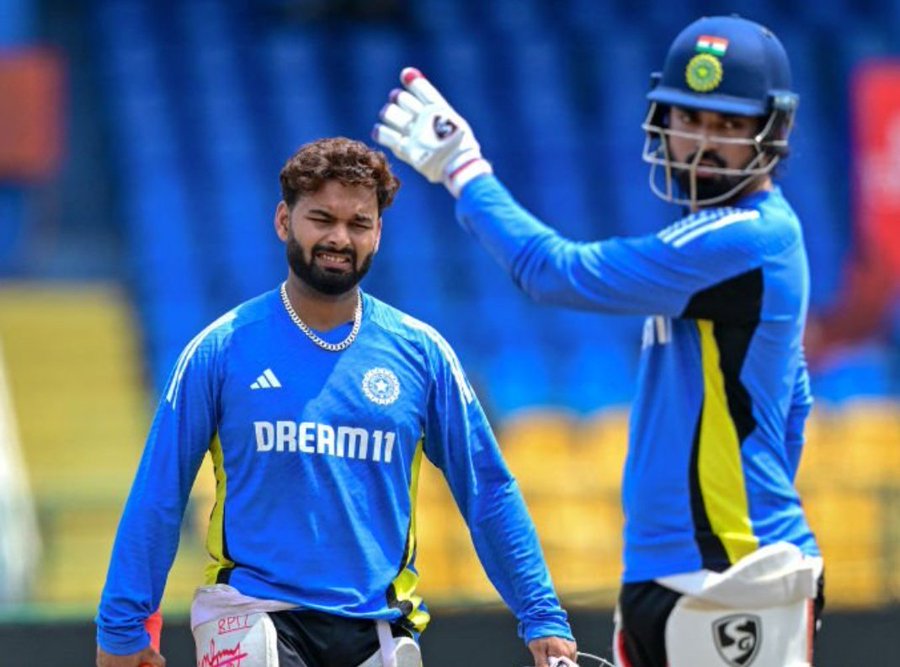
317, 403
711, 513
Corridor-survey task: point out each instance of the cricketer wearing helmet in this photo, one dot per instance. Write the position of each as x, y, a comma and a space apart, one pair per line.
720, 565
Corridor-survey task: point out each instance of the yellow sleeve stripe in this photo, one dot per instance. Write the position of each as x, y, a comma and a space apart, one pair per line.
402, 591
215, 536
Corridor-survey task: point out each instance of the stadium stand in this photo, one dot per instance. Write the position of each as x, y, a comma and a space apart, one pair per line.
75, 376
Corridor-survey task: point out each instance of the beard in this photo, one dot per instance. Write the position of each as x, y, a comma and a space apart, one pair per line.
711, 186
326, 281
708, 187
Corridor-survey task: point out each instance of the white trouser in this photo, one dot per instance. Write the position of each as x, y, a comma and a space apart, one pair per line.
758, 613
231, 630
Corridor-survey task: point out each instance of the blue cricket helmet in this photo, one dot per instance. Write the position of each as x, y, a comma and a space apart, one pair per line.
726, 64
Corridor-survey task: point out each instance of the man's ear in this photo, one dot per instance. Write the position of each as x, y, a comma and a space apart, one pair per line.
378, 235
282, 221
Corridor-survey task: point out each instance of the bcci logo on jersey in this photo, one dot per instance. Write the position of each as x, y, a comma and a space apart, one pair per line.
381, 386
738, 638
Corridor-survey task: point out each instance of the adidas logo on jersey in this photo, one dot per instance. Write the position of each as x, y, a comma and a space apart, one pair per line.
266, 381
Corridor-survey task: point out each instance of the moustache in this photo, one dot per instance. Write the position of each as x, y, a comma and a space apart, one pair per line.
708, 156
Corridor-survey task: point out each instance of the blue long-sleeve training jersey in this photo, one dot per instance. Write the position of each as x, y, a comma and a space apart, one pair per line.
316, 458
716, 429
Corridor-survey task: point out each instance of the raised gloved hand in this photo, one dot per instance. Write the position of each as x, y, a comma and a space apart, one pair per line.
421, 128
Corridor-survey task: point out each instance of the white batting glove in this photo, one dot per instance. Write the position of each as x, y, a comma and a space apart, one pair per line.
421, 128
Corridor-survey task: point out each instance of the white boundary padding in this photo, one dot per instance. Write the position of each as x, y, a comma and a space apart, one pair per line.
20, 544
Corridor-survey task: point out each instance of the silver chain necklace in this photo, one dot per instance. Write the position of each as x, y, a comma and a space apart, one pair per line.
324, 344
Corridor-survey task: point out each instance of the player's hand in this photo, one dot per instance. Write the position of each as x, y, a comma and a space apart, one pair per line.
149, 656
421, 128
553, 652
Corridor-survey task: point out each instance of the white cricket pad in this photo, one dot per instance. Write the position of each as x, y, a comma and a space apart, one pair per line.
773, 575
393, 651
249, 640
703, 634
757, 613
233, 629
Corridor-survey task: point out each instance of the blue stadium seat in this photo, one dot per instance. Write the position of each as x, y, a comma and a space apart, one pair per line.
617, 138
409, 260
598, 374
370, 62
588, 17
166, 270
549, 135
519, 19
461, 65
822, 210
439, 17
303, 107
19, 22
825, 14
556, 93
866, 369
768, 12
229, 183
518, 378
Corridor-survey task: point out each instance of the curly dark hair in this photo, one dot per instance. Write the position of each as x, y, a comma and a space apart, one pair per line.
337, 159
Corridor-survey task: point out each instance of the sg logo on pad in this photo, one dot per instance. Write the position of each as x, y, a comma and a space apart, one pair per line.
738, 638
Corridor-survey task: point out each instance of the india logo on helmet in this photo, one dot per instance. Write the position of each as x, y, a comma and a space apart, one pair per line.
703, 73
